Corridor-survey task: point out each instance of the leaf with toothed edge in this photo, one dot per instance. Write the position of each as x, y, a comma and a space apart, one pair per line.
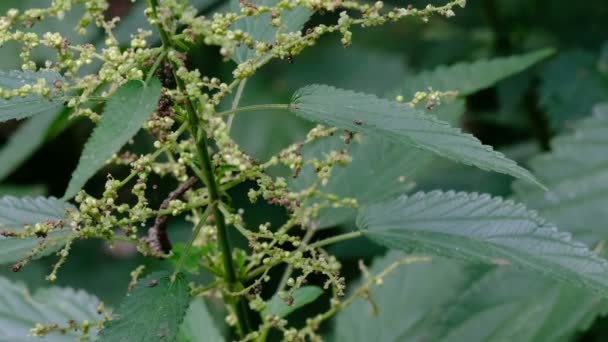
400, 123
18, 107
468, 78
481, 228
21, 311
125, 113
15, 213
152, 312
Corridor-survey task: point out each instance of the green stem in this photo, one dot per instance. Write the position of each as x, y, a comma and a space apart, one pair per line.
336, 239
275, 106
238, 305
195, 232
235, 103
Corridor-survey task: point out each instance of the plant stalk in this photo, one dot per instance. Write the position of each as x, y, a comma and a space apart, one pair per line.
238, 305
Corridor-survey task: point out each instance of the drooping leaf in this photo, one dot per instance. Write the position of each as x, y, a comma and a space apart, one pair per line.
570, 85
481, 228
152, 312
23, 107
198, 325
15, 213
401, 124
468, 78
261, 29
302, 296
24, 142
20, 311
408, 297
125, 113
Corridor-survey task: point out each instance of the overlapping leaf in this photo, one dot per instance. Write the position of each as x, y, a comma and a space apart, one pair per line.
481, 228
125, 113
152, 312
401, 124
20, 311
508, 305
15, 213
576, 173
23, 107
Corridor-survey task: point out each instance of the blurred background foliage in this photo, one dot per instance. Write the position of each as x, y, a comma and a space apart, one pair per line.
518, 115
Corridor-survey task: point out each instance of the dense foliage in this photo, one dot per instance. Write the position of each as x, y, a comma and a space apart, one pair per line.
303, 170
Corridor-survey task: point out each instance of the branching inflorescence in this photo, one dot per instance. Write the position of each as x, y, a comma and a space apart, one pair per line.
193, 146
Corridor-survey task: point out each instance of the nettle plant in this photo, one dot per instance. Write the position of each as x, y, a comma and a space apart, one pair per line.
355, 169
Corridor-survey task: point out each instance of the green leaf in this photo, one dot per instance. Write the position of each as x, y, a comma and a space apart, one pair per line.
576, 172
152, 312
301, 297
401, 124
125, 113
261, 29
24, 142
481, 228
570, 85
20, 311
469, 78
23, 107
192, 260
409, 297
507, 305
15, 213
198, 324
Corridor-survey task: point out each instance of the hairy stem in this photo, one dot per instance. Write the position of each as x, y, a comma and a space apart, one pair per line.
238, 305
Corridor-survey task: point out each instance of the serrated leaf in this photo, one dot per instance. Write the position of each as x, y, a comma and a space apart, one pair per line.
23, 107
408, 297
125, 113
260, 27
20, 311
576, 173
507, 305
301, 297
468, 78
152, 312
570, 85
402, 124
198, 324
481, 228
15, 213
24, 142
